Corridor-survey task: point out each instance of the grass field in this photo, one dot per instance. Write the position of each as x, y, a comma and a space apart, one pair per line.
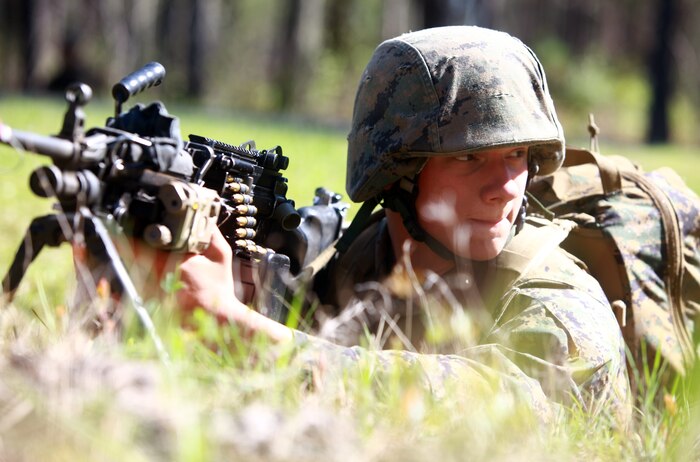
64, 396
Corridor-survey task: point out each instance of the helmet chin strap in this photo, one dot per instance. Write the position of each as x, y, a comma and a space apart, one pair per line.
401, 198
532, 169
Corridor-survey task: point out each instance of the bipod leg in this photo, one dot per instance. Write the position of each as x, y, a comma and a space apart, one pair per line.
45, 230
103, 245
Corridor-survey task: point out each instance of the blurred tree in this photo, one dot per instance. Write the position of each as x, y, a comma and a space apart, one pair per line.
23, 25
442, 12
338, 27
72, 67
480, 12
661, 72
201, 13
172, 30
398, 16
30, 43
306, 55
300, 40
115, 26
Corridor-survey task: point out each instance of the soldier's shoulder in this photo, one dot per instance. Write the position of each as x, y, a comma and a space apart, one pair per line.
535, 256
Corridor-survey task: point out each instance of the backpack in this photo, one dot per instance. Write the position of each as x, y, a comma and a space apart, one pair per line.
638, 235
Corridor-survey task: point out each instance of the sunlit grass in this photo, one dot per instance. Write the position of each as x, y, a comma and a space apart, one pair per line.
64, 396
225, 398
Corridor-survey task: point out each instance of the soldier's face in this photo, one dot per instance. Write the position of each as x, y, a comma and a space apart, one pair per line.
470, 203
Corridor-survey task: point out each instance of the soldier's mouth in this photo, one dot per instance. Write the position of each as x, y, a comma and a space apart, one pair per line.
490, 226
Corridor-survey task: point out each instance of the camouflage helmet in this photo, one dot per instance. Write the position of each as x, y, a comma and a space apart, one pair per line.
447, 91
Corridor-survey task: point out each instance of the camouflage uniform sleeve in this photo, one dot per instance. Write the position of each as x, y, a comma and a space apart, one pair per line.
568, 340
554, 346
441, 374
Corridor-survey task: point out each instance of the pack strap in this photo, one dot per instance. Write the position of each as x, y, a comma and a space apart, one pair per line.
675, 262
537, 207
358, 224
610, 175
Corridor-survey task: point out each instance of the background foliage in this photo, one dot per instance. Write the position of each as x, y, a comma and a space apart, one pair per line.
631, 62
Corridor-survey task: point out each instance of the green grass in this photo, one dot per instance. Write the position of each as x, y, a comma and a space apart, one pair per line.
64, 396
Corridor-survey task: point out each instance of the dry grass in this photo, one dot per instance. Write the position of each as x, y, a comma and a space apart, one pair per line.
65, 395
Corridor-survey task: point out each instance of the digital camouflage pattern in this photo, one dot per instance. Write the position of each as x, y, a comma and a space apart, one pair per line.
626, 226
445, 92
537, 324
530, 321
634, 223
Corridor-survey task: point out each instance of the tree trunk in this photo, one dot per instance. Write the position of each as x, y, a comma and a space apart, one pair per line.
438, 13
661, 73
479, 13
197, 49
35, 22
397, 17
300, 42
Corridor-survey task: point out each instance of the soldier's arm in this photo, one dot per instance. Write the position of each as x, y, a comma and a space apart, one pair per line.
209, 284
558, 344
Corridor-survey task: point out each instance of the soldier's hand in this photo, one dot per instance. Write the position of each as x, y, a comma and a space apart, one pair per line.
208, 277
208, 281
209, 284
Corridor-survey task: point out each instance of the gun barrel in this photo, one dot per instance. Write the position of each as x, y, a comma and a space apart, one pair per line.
56, 148
286, 215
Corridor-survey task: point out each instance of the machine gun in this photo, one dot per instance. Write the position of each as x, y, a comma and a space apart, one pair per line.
137, 175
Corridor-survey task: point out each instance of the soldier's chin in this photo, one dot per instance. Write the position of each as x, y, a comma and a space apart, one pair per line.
473, 243
481, 249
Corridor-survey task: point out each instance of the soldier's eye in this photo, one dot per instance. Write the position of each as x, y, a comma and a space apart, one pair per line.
468, 158
517, 154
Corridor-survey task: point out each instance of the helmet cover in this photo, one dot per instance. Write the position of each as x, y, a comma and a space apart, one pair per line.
447, 91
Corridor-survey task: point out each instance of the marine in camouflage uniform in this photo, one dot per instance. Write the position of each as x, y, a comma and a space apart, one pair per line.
540, 325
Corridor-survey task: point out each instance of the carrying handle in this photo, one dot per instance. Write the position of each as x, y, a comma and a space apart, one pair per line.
610, 175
